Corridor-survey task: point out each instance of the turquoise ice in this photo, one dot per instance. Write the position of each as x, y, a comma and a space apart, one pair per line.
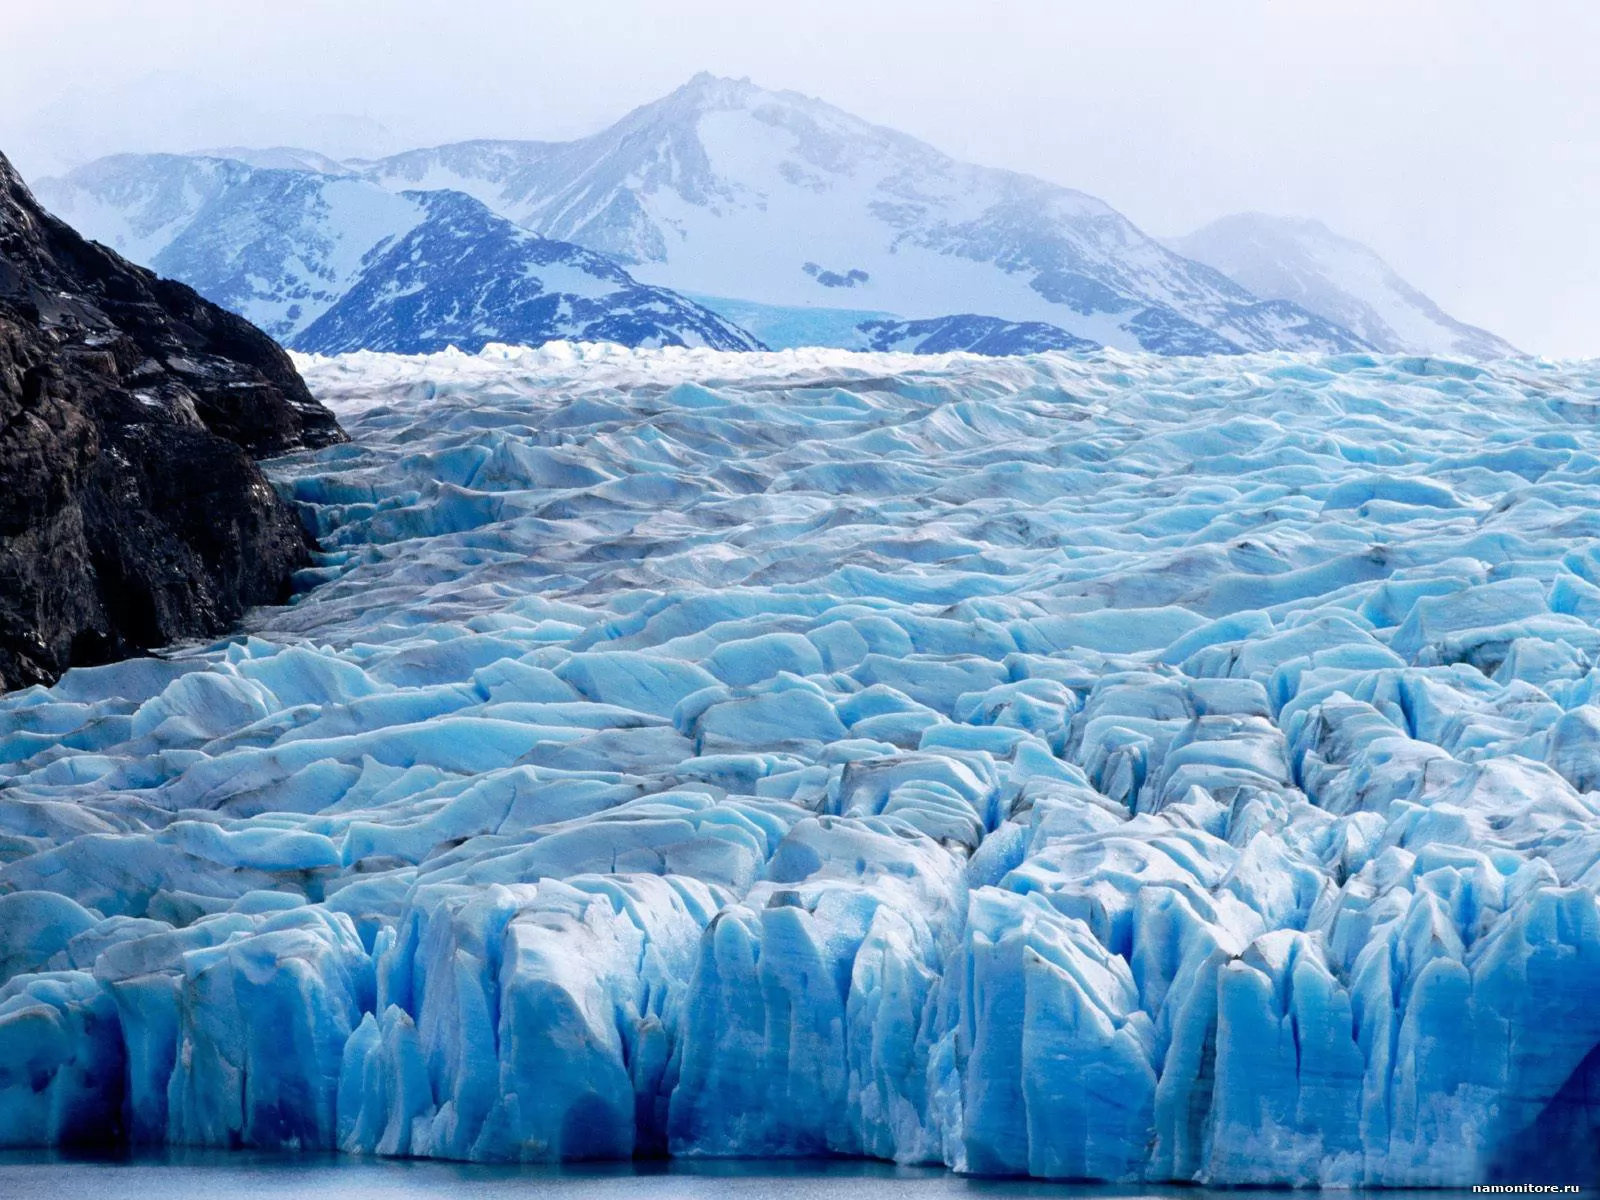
1093, 767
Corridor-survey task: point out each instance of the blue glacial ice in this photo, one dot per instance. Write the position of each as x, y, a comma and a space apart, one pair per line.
1107, 767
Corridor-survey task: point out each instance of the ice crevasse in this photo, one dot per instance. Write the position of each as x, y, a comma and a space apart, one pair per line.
1080, 767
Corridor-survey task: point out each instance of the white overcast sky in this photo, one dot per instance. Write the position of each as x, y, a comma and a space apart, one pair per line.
1459, 139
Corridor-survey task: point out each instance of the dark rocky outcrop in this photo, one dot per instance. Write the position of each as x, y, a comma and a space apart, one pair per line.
131, 512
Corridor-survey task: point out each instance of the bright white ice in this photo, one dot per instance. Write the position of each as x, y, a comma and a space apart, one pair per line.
1118, 767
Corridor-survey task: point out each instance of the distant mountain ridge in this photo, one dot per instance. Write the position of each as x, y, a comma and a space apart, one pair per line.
769, 207
970, 333
329, 262
1306, 263
463, 277
725, 188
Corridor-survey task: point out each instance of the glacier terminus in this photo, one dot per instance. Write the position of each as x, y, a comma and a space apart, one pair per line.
1081, 766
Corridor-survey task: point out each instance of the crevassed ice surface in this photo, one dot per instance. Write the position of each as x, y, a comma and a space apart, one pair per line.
1112, 768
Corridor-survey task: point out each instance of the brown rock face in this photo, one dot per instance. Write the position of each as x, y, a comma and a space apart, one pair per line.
131, 510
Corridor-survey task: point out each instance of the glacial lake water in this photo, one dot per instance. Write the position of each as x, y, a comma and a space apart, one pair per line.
216, 1175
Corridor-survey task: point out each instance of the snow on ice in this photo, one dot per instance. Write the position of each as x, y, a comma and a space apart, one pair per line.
1103, 767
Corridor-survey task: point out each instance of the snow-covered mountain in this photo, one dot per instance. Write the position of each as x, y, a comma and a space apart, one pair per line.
776, 212
292, 158
463, 276
330, 262
1306, 263
726, 189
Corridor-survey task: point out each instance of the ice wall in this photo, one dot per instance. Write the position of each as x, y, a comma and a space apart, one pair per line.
1107, 768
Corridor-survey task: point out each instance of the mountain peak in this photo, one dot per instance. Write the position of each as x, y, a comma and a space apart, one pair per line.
706, 93
729, 191
710, 79
1302, 260
705, 90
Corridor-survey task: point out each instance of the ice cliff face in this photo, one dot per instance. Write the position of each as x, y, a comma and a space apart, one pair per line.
329, 262
1081, 768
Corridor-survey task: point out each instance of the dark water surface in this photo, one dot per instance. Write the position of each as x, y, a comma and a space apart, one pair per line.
213, 1175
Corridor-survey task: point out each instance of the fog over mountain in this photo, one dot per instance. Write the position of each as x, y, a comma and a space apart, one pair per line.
1469, 168
781, 212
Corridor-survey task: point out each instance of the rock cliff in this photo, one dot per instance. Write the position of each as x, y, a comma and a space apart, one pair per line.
131, 512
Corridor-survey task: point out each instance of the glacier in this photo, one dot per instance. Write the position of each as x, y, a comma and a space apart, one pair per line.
1082, 767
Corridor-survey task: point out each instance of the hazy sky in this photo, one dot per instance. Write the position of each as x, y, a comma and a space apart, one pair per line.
1459, 139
